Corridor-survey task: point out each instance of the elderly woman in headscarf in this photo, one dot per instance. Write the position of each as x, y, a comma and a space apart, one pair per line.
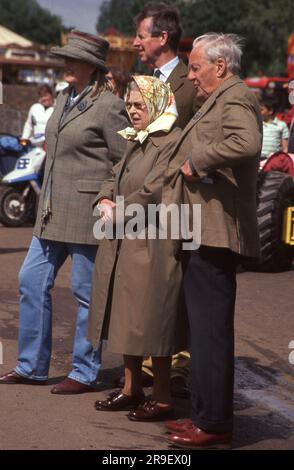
136, 295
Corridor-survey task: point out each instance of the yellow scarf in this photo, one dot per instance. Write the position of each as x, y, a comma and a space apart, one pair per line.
161, 105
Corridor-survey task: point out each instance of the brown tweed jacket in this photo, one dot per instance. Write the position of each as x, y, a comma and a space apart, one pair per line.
184, 94
223, 143
82, 148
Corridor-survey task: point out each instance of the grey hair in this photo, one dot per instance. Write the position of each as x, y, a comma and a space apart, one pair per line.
227, 46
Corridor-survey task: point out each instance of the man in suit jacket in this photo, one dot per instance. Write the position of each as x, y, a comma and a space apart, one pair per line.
82, 146
157, 41
218, 154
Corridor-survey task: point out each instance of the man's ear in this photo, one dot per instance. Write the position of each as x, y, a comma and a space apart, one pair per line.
163, 38
221, 65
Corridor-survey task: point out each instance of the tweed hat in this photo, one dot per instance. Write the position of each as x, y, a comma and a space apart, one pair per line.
83, 46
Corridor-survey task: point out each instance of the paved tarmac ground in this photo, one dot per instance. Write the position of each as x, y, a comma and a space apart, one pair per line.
32, 418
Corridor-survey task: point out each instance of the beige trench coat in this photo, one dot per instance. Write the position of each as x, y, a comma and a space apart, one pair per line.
140, 309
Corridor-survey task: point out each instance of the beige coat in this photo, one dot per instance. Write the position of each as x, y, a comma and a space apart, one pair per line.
82, 148
145, 291
223, 143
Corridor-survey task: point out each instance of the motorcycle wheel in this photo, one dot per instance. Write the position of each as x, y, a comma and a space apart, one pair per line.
14, 211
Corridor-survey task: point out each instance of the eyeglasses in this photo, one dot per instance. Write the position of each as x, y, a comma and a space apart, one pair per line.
137, 105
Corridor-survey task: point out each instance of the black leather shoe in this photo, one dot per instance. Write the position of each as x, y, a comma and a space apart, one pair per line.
151, 411
13, 378
118, 401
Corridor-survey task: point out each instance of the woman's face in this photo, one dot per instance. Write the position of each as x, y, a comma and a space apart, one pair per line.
137, 110
77, 72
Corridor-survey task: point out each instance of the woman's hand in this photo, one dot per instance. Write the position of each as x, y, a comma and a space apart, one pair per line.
105, 207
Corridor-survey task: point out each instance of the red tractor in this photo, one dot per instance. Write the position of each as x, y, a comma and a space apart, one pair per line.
275, 214
276, 87
275, 189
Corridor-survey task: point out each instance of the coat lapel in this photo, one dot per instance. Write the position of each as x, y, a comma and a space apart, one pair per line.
60, 103
56, 116
83, 105
178, 75
208, 104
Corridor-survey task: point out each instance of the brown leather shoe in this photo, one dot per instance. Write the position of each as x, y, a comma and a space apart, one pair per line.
147, 381
151, 411
118, 401
179, 425
13, 378
196, 438
71, 387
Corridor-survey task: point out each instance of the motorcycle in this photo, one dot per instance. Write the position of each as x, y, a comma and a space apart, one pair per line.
20, 188
11, 148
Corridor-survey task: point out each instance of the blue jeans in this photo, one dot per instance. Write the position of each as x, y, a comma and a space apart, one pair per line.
36, 279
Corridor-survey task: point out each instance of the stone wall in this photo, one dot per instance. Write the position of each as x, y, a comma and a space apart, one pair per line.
17, 100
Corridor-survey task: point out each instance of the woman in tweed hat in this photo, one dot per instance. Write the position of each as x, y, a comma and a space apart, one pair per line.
83, 145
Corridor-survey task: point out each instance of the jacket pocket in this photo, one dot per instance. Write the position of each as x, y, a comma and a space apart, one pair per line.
89, 186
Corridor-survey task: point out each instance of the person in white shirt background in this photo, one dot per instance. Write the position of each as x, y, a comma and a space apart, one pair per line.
275, 131
39, 113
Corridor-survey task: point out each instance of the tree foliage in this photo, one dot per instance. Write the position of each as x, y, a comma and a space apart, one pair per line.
28, 18
264, 24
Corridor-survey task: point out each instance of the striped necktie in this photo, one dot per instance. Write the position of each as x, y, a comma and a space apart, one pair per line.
157, 73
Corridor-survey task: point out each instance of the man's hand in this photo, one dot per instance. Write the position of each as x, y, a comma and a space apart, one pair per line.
188, 173
105, 207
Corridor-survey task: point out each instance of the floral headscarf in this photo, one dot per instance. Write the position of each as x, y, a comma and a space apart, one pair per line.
161, 105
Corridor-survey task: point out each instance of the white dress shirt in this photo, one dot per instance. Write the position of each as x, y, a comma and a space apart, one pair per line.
167, 69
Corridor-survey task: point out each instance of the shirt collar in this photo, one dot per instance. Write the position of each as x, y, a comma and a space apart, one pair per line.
274, 122
167, 68
74, 98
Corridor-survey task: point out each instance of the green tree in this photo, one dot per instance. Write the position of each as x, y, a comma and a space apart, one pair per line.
264, 24
119, 14
28, 18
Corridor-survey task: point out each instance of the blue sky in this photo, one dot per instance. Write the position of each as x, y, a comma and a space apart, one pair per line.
81, 14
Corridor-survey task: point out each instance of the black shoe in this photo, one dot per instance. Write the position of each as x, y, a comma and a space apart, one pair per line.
118, 401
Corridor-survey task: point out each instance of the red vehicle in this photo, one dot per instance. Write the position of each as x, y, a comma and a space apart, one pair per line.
276, 87
275, 189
